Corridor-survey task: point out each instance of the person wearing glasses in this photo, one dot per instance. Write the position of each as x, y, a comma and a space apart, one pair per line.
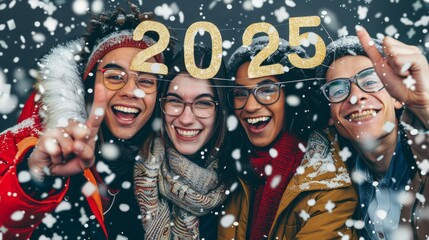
291, 184
378, 95
62, 175
180, 178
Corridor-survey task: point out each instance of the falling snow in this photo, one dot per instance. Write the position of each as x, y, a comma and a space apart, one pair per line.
47, 28
227, 221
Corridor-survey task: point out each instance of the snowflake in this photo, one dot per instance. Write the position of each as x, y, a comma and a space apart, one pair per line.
3, 229
417, 5
342, 32
304, 215
166, 11
49, 220
388, 127
232, 123
281, 14
329, 206
420, 197
410, 83
391, 30
424, 21
424, 166
362, 11
227, 220
275, 181
411, 33
257, 3
345, 154
290, 3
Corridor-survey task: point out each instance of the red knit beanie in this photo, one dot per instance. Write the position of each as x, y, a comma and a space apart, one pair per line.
117, 40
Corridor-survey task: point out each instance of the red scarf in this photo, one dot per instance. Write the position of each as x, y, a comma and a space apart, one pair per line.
268, 199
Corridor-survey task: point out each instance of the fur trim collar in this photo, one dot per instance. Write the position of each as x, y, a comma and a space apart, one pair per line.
60, 85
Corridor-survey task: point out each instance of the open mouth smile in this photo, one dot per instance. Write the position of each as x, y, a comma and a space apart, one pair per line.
125, 113
258, 122
362, 116
187, 134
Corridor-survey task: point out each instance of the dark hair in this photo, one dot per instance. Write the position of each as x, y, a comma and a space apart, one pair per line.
106, 23
300, 120
202, 56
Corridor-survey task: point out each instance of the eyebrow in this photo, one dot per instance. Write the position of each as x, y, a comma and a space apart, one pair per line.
116, 66
113, 65
197, 97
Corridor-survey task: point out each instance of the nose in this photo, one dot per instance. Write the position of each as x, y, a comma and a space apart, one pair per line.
187, 117
129, 89
356, 96
252, 105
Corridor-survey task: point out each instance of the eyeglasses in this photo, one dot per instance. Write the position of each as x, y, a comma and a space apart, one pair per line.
115, 79
201, 108
339, 89
265, 94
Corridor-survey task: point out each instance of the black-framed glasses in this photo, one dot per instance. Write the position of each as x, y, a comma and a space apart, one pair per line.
265, 94
115, 79
201, 108
339, 89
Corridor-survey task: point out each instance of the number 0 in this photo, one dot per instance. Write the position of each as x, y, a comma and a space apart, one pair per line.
216, 59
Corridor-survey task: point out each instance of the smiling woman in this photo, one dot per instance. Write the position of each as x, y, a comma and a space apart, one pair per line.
180, 178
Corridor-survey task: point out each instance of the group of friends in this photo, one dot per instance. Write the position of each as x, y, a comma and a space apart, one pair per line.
341, 156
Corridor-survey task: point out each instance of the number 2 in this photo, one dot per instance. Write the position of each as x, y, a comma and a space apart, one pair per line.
255, 69
139, 62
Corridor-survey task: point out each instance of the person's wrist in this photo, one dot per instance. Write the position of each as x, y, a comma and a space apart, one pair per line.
37, 173
420, 112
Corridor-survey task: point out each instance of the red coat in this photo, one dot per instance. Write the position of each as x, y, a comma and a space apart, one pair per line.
21, 214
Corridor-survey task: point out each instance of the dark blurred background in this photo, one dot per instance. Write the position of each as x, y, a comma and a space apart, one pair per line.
28, 29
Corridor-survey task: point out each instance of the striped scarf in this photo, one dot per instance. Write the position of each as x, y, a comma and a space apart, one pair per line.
172, 192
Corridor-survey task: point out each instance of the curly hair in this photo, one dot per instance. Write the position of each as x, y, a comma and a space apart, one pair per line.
108, 22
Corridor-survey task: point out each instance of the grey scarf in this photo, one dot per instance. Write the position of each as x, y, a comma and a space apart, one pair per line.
172, 192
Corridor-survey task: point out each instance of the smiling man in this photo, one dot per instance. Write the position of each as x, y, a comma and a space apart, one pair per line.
366, 87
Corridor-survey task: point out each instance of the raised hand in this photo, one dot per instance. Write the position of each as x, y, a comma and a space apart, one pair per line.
69, 150
404, 70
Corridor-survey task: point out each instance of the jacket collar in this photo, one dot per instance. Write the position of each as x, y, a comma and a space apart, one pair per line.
60, 87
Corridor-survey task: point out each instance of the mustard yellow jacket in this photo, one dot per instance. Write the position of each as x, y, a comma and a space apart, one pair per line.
315, 205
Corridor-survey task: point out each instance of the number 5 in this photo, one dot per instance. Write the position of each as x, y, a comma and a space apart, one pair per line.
295, 40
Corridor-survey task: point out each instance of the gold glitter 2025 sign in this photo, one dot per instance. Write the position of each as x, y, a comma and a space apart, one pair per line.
255, 69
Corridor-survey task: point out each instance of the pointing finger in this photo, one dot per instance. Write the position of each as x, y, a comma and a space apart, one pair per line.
97, 111
369, 46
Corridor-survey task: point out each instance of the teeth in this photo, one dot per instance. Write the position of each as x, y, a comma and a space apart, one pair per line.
187, 133
126, 109
361, 115
256, 120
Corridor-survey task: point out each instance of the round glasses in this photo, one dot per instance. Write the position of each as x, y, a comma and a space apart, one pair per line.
201, 108
339, 89
115, 79
265, 94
